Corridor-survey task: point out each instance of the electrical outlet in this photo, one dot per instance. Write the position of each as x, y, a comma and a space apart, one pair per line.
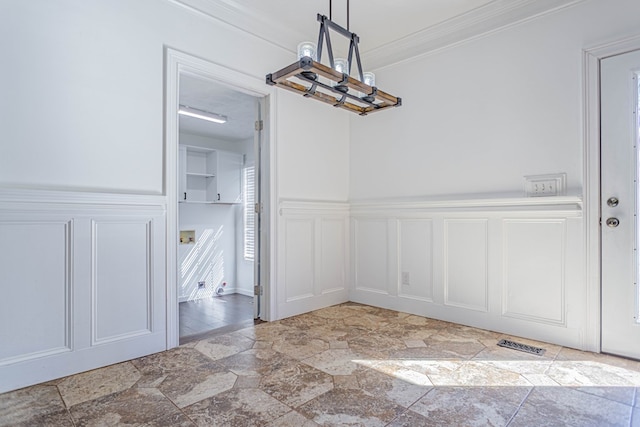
405, 278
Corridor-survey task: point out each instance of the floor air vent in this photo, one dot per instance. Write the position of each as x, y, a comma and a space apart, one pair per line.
521, 347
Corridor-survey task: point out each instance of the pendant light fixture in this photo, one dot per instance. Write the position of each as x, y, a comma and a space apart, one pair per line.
333, 84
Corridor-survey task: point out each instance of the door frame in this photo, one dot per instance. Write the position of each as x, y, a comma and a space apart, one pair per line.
177, 62
591, 192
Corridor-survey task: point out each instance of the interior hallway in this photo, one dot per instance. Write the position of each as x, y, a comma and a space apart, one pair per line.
349, 365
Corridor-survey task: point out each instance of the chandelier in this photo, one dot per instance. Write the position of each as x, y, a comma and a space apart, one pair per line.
333, 84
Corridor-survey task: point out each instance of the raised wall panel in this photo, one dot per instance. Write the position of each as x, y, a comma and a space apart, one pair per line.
35, 306
480, 252
534, 265
333, 254
466, 263
371, 249
416, 259
299, 258
121, 273
312, 257
83, 283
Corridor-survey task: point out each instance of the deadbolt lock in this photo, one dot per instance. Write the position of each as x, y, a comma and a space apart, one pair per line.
613, 222
613, 202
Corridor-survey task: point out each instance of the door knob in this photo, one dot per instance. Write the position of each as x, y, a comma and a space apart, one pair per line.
613, 222
613, 202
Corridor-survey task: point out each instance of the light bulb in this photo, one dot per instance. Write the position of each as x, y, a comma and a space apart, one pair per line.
309, 49
341, 65
369, 78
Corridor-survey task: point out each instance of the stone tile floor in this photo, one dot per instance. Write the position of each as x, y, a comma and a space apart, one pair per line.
347, 365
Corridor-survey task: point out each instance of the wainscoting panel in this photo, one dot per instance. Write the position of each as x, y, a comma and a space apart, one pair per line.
313, 256
121, 279
534, 269
35, 307
83, 282
510, 265
415, 243
371, 247
299, 258
465, 263
332, 274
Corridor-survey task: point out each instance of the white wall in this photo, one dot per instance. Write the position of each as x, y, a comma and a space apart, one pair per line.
212, 257
313, 231
82, 119
313, 150
437, 184
478, 117
90, 73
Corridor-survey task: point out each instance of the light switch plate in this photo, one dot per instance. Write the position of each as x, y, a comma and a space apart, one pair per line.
545, 185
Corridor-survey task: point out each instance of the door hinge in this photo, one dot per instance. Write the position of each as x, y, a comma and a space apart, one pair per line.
259, 125
257, 208
257, 290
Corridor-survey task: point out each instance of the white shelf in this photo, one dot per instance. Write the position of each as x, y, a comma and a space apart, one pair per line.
201, 202
209, 176
202, 175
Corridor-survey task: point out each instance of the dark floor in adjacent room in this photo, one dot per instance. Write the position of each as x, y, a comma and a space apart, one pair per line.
216, 314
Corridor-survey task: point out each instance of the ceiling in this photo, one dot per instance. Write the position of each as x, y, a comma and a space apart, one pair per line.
214, 97
389, 31
377, 22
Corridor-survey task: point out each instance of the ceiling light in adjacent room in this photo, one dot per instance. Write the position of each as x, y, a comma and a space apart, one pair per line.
201, 114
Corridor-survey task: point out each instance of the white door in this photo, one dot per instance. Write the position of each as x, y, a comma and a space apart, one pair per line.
619, 204
257, 241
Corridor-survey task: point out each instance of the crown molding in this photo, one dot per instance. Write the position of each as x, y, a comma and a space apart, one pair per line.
476, 23
245, 19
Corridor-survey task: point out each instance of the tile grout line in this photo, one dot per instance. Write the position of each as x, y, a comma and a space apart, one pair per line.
162, 393
66, 408
633, 405
520, 406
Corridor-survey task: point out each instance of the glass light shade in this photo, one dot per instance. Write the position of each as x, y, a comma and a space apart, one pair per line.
309, 49
369, 78
341, 65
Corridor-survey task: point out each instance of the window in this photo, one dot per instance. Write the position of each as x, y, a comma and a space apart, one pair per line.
248, 178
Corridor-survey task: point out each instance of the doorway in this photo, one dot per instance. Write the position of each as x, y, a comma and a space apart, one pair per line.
176, 64
619, 204
215, 200
216, 256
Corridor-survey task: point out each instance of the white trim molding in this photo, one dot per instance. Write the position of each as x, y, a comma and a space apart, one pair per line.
493, 16
487, 19
177, 63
